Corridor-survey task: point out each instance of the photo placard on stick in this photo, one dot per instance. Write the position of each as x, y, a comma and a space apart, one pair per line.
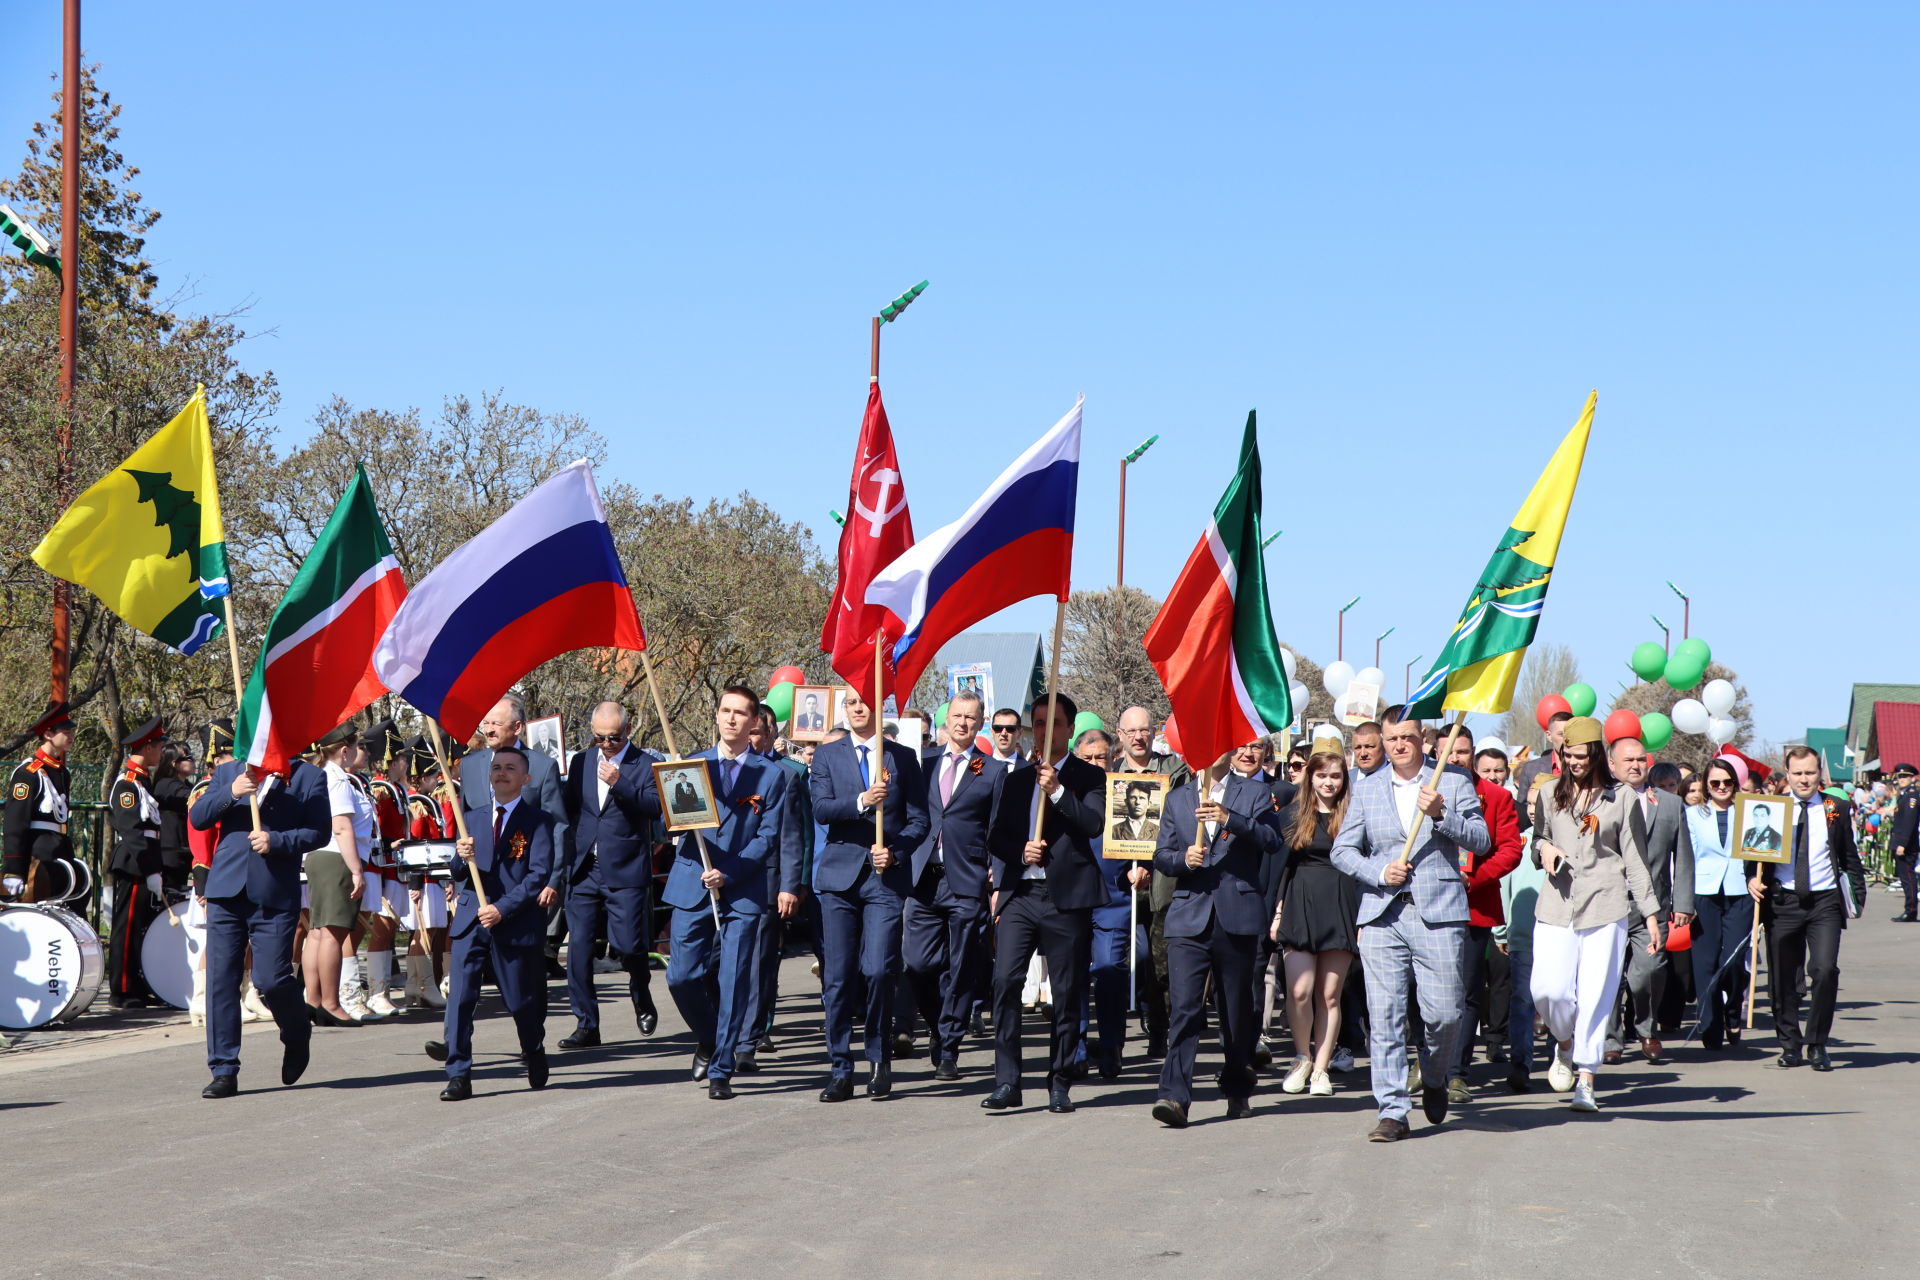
1135, 802
812, 713
548, 735
973, 677
686, 795
1763, 827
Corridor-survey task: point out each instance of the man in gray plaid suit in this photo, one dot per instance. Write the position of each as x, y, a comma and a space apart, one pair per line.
1413, 914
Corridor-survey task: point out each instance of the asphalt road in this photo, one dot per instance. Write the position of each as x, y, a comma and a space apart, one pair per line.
114, 1166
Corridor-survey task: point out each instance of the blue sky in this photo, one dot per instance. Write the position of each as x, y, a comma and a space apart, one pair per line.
1412, 235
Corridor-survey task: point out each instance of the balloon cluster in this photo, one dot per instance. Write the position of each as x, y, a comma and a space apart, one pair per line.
1336, 679
1685, 668
780, 688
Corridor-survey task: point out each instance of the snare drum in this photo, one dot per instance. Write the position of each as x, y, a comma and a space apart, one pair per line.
51, 966
173, 949
436, 858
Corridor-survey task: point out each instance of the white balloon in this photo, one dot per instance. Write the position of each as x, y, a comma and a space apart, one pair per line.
1721, 730
1336, 678
1372, 676
1288, 661
1718, 697
1689, 716
1298, 692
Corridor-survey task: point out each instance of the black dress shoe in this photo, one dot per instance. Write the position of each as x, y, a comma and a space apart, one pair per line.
1817, 1057
1389, 1130
702, 1057
221, 1087
719, 1090
979, 1027
537, 1069
582, 1038
1433, 1101
1239, 1108
645, 1016
1109, 1066
1004, 1097
555, 970
946, 1069
458, 1089
745, 1063
1170, 1113
437, 1050
1157, 1045
1905, 918
1262, 1054
1789, 1059
1497, 1055
902, 1045
1059, 1102
1711, 1042
1519, 1084
1077, 1070
293, 1062
1733, 1035
838, 1089
880, 1083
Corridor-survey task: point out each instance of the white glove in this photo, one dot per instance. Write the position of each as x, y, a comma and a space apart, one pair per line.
14, 886
153, 884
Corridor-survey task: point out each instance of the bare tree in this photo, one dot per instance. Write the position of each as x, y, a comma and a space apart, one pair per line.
1103, 660
1691, 749
1547, 668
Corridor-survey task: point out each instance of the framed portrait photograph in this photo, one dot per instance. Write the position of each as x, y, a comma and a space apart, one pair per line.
812, 717
1134, 805
548, 736
1763, 827
686, 795
973, 677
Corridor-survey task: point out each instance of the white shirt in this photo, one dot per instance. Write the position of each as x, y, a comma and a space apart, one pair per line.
501, 813
1819, 861
345, 801
600, 782
956, 761
1033, 816
876, 760
1218, 794
1406, 798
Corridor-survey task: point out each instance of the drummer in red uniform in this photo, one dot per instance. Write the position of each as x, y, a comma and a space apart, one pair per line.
36, 807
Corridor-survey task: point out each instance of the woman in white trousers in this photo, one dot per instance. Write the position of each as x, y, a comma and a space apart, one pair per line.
1594, 865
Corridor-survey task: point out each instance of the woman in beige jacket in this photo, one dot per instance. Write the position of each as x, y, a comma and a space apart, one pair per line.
1585, 845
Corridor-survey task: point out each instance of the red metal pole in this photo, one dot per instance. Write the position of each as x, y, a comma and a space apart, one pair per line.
62, 659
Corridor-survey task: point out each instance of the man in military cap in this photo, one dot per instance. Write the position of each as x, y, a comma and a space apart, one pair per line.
36, 809
135, 863
1906, 840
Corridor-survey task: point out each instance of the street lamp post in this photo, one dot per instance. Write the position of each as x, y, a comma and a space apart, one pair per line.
1407, 689
1120, 564
1686, 605
1666, 635
1376, 644
1340, 643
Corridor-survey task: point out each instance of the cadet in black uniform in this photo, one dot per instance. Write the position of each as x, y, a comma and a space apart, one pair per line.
135, 863
36, 812
1906, 840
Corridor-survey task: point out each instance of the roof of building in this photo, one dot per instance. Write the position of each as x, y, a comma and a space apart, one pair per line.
1019, 668
1860, 712
1896, 734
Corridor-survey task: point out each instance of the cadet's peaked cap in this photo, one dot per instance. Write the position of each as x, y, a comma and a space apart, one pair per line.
58, 715
151, 731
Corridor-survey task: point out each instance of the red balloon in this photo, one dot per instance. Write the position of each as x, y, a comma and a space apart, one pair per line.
1173, 739
985, 744
1550, 706
1621, 724
787, 675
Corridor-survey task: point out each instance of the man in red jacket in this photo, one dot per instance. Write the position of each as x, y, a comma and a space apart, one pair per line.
1483, 873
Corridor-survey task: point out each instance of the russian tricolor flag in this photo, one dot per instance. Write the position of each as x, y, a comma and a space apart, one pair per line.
542, 580
1015, 541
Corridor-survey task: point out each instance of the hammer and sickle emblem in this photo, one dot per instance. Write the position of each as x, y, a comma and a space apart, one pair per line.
878, 515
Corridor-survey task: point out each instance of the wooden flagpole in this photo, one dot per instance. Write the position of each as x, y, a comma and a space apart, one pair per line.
459, 824
666, 731
1753, 951
1439, 767
878, 708
1045, 743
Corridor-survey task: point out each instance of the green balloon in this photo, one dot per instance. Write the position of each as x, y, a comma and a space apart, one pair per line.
1695, 650
779, 700
1649, 660
1655, 730
1084, 721
940, 716
1581, 698
1683, 672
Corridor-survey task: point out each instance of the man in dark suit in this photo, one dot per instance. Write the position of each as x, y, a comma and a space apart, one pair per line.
511, 843
1045, 896
1542, 770
1805, 904
944, 914
783, 898
253, 898
712, 958
612, 871
861, 884
1659, 827
1215, 852
503, 726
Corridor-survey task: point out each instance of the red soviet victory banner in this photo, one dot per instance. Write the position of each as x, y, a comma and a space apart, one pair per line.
877, 530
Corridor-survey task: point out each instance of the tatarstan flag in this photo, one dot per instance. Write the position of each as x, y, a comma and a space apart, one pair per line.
1212, 642
316, 663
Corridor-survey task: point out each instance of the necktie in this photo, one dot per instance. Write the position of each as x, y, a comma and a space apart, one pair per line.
1802, 873
499, 820
946, 780
729, 774
866, 779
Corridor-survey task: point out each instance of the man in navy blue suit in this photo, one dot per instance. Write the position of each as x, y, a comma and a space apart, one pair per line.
503, 726
510, 842
750, 792
611, 871
861, 885
783, 897
947, 907
253, 896
1215, 851
1046, 893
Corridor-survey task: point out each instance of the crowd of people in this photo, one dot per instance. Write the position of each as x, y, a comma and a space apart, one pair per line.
1349, 892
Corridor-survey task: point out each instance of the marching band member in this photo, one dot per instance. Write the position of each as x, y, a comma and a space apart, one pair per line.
36, 810
135, 863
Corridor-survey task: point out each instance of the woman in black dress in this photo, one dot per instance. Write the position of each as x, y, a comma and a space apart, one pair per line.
1314, 922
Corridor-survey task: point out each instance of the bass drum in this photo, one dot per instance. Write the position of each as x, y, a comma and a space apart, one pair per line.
50, 881
81, 879
51, 966
174, 947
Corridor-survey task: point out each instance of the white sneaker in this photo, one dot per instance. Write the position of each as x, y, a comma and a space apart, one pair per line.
1296, 1081
357, 1009
1322, 1086
1342, 1060
1560, 1077
1583, 1099
1416, 1078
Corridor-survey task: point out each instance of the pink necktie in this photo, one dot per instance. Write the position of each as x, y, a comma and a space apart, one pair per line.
946, 780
